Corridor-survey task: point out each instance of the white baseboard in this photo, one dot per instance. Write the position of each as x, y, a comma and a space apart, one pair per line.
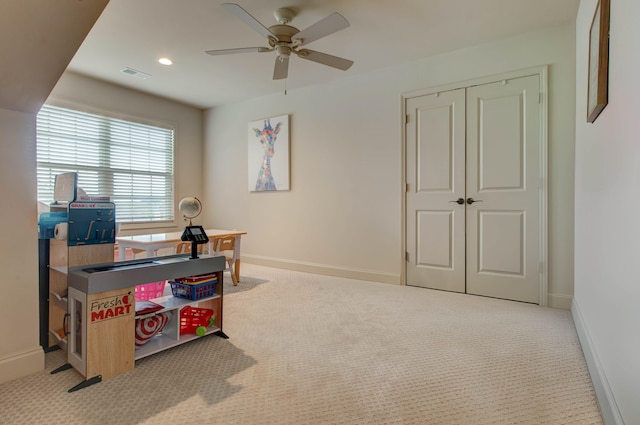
321, 269
560, 301
555, 300
21, 364
608, 407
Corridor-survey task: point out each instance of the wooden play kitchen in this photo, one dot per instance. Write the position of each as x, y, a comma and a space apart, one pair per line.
102, 320
99, 329
93, 301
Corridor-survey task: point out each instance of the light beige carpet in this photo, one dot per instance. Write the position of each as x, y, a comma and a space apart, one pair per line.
311, 349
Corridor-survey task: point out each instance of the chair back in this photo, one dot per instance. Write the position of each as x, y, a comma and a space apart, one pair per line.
223, 243
185, 247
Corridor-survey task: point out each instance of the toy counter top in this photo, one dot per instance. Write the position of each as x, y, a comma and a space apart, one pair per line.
96, 278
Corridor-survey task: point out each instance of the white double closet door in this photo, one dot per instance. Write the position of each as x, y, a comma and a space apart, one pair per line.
472, 201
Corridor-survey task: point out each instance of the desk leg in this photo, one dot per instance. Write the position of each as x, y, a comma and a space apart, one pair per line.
122, 252
236, 256
236, 269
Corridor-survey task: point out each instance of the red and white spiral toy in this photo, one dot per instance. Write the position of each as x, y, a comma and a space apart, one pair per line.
148, 327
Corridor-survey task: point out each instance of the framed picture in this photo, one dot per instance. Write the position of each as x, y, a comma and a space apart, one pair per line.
269, 154
597, 92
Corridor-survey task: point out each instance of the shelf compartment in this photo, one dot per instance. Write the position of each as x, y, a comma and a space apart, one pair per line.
162, 342
60, 342
169, 302
170, 335
59, 300
60, 269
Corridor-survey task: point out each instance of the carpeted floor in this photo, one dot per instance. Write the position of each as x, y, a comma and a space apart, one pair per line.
312, 349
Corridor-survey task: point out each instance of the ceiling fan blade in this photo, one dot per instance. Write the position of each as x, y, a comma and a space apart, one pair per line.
325, 59
281, 68
239, 50
332, 23
245, 17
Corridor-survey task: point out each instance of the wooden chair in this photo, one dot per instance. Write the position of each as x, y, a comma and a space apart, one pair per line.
130, 253
185, 248
225, 245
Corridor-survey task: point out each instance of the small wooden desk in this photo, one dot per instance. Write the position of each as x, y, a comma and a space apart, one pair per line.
153, 242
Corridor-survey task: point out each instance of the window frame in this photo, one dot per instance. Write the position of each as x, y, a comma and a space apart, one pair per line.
138, 119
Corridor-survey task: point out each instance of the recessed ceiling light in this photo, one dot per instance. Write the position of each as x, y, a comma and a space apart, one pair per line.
165, 61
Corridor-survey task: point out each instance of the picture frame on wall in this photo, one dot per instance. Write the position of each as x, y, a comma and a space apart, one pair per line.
268, 154
598, 78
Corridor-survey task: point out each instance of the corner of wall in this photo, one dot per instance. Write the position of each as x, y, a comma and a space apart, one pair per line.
608, 407
560, 301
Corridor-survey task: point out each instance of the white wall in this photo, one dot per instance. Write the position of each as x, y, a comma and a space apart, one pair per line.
73, 90
37, 40
20, 352
607, 228
343, 213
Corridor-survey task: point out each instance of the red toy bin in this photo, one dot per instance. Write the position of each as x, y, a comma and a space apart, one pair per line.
194, 320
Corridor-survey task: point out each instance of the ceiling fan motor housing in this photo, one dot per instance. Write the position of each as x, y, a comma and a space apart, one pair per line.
283, 45
284, 32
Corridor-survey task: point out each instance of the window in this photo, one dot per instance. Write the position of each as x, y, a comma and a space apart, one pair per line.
128, 161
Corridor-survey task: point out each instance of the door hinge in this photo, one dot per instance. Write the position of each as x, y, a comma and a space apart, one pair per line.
406, 187
406, 256
406, 119
539, 97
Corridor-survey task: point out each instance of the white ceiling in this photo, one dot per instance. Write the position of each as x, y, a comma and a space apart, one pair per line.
383, 33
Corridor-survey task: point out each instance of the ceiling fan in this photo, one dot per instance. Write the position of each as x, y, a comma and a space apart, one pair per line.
286, 40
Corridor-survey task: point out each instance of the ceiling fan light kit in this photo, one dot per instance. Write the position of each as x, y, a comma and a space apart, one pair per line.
285, 39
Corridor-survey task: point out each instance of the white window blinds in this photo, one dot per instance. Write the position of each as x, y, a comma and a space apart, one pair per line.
128, 161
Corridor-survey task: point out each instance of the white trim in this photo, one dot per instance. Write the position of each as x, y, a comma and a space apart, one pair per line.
560, 301
607, 402
538, 70
541, 72
322, 269
21, 364
62, 102
543, 189
403, 191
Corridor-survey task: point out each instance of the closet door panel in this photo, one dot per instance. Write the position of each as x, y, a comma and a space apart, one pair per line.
436, 179
503, 139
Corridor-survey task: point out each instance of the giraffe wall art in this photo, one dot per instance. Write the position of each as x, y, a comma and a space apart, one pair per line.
268, 151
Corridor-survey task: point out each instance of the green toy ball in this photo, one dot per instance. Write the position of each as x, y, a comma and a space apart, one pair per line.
201, 330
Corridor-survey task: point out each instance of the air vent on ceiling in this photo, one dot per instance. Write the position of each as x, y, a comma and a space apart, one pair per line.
135, 73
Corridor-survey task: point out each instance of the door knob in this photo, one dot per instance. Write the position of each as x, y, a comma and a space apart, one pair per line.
471, 200
459, 201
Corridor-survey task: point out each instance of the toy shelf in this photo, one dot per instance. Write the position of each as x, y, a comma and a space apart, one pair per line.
61, 258
170, 336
